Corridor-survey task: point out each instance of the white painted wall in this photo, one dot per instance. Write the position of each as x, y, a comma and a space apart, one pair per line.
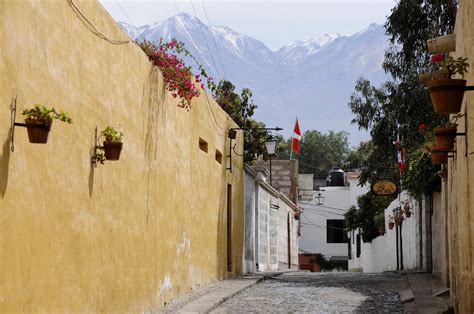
314, 218
266, 226
380, 254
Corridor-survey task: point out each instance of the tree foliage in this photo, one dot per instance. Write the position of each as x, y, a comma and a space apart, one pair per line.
319, 152
241, 109
362, 217
396, 109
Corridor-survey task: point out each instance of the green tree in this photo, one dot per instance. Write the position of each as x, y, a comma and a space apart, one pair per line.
241, 109
320, 152
369, 205
396, 109
359, 155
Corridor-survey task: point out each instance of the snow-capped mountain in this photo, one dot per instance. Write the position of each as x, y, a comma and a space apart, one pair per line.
313, 78
301, 49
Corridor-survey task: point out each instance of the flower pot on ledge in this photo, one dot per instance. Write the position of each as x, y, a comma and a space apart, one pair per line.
444, 138
447, 95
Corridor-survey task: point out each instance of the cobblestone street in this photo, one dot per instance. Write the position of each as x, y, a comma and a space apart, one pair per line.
321, 293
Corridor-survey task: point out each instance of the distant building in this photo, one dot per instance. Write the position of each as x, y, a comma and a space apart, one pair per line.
322, 226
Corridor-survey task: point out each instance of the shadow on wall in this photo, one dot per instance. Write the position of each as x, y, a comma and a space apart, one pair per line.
221, 240
4, 164
92, 168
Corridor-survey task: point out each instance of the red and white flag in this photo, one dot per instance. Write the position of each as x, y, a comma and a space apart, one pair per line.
401, 158
295, 143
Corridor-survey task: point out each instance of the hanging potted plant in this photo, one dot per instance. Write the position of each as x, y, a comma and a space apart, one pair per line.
391, 223
445, 135
113, 143
297, 213
407, 208
39, 120
438, 156
447, 93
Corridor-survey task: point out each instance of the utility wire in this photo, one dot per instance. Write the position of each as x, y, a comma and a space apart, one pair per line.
129, 19
207, 43
304, 224
322, 211
215, 43
216, 125
91, 26
326, 207
327, 227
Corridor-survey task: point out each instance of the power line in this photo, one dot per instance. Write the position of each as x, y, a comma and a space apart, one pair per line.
322, 211
319, 226
129, 19
91, 26
215, 43
216, 125
205, 39
326, 207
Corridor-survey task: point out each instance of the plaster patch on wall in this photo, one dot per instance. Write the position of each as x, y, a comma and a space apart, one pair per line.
183, 245
164, 285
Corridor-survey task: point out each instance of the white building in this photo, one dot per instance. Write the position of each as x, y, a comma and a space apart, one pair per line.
322, 226
386, 253
271, 232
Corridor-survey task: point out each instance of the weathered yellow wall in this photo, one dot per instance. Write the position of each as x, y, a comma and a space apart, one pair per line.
128, 235
461, 178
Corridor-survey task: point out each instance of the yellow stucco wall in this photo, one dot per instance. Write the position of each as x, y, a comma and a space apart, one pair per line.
125, 236
461, 178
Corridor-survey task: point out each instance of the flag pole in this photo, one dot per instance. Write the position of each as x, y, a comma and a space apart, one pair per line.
291, 142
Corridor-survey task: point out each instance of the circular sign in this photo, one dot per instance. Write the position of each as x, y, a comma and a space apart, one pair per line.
384, 187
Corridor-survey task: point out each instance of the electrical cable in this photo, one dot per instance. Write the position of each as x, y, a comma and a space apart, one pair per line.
215, 43
327, 207
205, 39
216, 125
91, 26
304, 224
322, 211
129, 19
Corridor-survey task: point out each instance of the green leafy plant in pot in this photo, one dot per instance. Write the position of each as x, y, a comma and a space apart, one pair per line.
38, 122
113, 143
446, 92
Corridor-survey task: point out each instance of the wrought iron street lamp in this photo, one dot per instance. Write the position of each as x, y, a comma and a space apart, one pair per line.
319, 198
232, 135
270, 145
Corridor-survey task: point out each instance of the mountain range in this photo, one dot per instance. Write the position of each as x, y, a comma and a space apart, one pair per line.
312, 79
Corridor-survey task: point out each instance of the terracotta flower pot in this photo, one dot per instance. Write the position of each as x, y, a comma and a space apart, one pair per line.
438, 157
444, 138
447, 95
391, 225
112, 150
37, 132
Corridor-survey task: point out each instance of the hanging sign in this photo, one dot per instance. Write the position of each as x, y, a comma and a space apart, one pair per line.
384, 187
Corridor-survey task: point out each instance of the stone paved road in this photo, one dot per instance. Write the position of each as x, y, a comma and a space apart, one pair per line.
321, 293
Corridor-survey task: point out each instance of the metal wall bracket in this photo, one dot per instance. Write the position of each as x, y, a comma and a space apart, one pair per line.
97, 156
469, 88
14, 124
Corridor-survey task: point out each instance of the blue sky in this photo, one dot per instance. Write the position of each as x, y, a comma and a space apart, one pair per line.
276, 23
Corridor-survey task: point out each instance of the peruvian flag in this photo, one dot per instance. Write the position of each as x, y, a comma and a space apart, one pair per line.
401, 158
295, 143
